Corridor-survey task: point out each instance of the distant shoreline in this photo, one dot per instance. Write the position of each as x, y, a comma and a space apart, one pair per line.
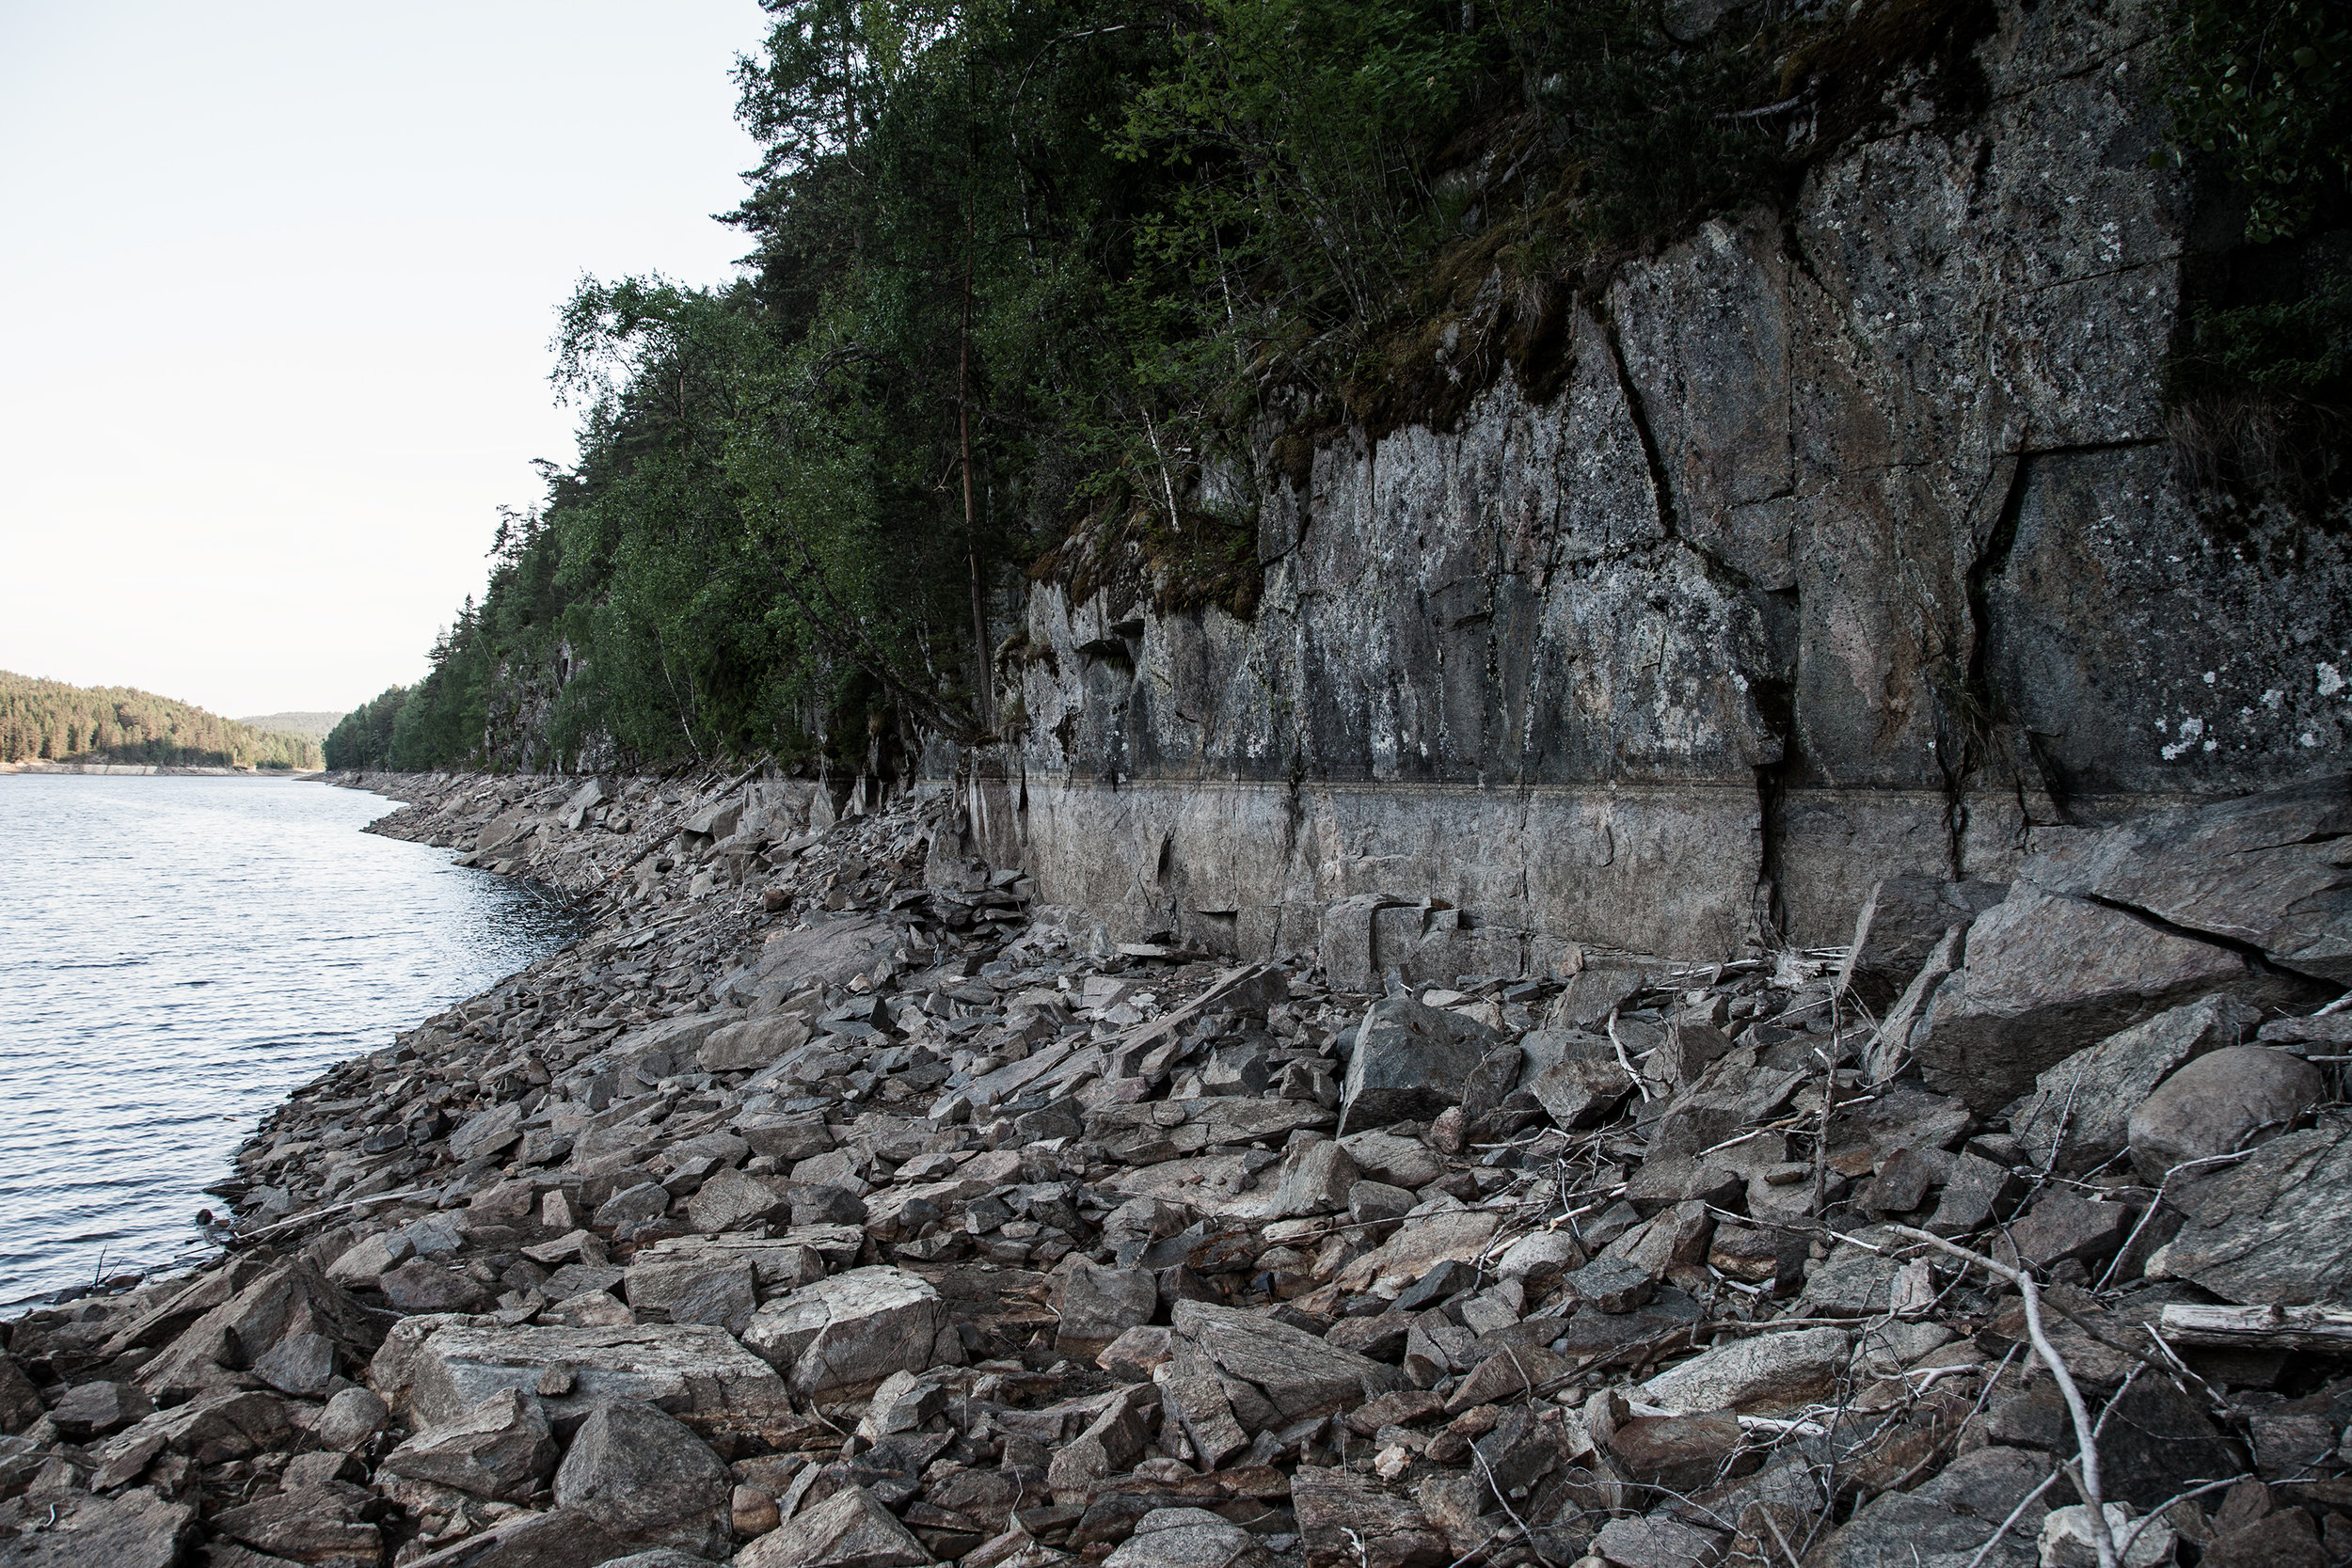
127, 769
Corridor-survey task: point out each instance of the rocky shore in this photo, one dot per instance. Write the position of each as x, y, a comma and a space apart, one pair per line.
828, 1204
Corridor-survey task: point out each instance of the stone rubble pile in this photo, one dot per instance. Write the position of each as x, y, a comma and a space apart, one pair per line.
827, 1206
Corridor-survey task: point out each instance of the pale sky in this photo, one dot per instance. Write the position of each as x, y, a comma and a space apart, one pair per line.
278, 280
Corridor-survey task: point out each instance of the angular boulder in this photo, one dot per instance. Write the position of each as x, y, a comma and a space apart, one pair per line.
842, 1336
217, 1348
1097, 1304
438, 1369
500, 1449
1411, 1061
646, 1478
2219, 1103
849, 1530
753, 1043
1299, 1374
2077, 1116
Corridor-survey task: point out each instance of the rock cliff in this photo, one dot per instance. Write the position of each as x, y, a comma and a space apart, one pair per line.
1851, 543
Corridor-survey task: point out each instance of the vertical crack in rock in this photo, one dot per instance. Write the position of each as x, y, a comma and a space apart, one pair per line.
1774, 699
1981, 705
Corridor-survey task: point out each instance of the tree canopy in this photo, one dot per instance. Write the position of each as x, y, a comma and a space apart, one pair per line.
51, 722
1030, 281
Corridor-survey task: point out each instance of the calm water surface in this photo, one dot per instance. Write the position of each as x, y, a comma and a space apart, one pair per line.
175, 955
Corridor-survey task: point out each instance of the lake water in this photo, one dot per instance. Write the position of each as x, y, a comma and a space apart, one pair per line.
177, 954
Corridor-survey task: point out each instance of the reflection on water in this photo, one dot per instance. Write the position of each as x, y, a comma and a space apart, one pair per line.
175, 955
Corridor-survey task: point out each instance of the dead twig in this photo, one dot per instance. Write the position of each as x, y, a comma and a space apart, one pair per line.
2086, 1431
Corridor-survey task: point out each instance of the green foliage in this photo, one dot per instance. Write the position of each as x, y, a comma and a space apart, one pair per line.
1022, 277
363, 740
2260, 87
49, 720
2298, 349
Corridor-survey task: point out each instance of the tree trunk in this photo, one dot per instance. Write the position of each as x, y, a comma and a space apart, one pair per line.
985, 677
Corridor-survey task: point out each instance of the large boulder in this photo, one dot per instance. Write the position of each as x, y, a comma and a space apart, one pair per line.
751, 1043
2277, 1228
849, 1530
2218, 1102
832, 951
645, 1478
436, 1368
2265, 871
2077, 1116
2047, 976
1411, 1061
500, 1449
842, 1336
219, 1348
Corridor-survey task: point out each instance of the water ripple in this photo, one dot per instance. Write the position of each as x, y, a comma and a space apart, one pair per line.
175, 955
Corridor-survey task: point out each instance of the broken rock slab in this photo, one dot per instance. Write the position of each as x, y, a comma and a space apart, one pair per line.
1757, 1375
2077, 1116
843, 1335
646, 1478
138, 1529
1189, 1538
2276, 1229
439, 1368
1410, 1062
2263, 870
2048, 975
1350, 1521
1900, 925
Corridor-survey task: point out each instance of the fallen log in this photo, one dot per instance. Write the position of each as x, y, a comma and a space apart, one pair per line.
2315, 1330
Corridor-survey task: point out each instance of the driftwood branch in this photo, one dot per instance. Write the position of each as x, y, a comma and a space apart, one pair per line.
2086, 1431
2313, 1330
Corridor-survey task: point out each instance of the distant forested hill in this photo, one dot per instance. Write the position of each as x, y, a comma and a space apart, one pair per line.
316, 725
49, 720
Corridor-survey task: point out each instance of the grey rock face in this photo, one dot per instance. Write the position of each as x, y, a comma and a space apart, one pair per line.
1816, 460
2275, 1229
2078, 1115
849, 1530
500, 1449
99, 1409
2048, 975
349, 1419
646, 1478
1411, 1061
847, 1333
2218, 1102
